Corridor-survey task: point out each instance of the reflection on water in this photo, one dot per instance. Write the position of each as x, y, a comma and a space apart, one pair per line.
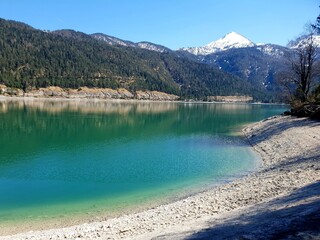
34, 125
87, 106
119, 106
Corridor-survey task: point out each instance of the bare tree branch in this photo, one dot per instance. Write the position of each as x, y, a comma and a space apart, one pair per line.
302, 74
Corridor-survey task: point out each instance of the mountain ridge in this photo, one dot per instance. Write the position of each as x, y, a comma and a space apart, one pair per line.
303, 40
33, 59
231, 65
114, 41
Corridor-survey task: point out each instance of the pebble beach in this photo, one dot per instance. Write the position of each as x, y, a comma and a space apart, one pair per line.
279, 200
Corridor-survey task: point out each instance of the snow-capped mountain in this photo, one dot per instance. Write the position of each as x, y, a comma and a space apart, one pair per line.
112, 40
304, 40
119, 42
229, 41
272, 50
259, 64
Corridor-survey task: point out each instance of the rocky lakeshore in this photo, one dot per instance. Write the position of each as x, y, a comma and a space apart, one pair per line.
281, 200
87, 93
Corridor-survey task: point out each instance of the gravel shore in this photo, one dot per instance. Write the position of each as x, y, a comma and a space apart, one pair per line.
279, 201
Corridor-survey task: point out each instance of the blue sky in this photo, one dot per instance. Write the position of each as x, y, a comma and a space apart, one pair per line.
172, 23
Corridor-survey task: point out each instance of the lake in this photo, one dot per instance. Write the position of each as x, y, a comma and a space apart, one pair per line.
83, 159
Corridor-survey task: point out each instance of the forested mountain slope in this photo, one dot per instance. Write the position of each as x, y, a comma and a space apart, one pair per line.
31, 58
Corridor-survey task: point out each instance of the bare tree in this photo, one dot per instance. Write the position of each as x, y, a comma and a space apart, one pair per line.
303, 68
316, 26
302, 71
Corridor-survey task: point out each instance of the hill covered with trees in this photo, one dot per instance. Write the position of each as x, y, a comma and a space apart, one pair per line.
31, 58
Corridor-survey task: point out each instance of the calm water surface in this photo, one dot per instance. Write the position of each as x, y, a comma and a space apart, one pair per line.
85, 157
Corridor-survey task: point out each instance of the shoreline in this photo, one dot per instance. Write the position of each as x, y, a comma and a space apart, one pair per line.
290, 151
133, 100
120, 100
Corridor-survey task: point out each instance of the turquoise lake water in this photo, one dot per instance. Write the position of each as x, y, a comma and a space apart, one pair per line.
65, 158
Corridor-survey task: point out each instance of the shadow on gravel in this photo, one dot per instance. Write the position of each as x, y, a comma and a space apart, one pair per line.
304, 162
292, 219
311, 161
272, 128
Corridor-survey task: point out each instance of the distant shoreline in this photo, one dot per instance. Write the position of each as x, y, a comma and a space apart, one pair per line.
189, 101
112, 94
287, 184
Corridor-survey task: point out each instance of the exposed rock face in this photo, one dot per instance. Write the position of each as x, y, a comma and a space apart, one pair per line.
4, 90
47, 92
155, 95
229, 99
104, 93
85, 92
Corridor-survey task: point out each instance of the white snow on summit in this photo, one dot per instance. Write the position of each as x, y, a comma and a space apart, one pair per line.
304, 40
113, 41
271, 50
231, 40
153, 47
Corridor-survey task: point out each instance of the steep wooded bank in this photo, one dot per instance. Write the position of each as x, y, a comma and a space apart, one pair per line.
32, 59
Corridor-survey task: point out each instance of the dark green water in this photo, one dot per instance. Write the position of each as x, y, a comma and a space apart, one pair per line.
68, 158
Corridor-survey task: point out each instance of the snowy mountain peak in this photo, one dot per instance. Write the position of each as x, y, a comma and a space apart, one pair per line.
231, 40
305, 40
